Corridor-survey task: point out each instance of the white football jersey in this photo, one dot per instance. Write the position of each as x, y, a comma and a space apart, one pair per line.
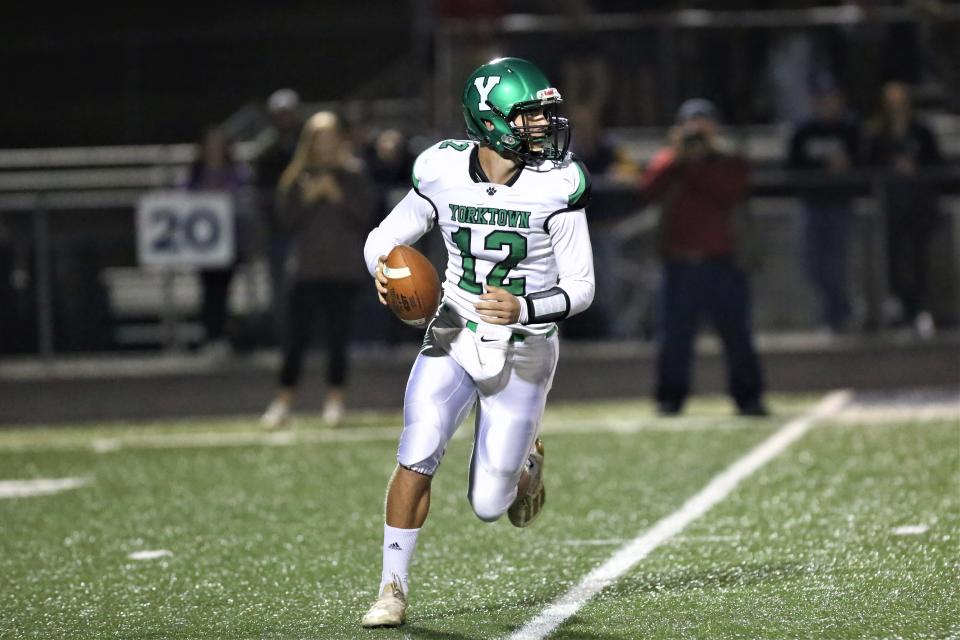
528, 236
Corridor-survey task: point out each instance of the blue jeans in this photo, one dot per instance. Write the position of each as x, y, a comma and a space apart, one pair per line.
826, 245
718, 290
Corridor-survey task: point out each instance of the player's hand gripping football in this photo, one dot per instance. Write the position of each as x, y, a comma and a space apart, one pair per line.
380, 279
498, 306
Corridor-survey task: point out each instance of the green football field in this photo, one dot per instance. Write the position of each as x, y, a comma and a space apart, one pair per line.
212, 529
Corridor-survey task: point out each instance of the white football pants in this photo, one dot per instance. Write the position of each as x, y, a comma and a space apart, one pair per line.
510, 377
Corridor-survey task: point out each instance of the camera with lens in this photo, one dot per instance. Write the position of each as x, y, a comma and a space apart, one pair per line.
693, 140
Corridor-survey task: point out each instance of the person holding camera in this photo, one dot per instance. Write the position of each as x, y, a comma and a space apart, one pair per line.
700, 186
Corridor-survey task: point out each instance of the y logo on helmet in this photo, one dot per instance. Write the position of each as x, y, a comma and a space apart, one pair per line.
484, 87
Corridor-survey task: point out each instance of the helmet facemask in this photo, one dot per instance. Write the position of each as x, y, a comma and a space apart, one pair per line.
547, 139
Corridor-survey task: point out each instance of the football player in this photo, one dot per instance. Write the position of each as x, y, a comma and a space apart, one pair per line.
509, 203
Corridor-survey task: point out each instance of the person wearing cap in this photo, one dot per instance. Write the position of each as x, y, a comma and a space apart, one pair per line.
828, 143
286, 123
700, 185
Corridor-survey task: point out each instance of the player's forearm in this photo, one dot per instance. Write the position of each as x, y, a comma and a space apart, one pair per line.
580, 292
406, 223
656, 182
568, 298
378, 244
661, 174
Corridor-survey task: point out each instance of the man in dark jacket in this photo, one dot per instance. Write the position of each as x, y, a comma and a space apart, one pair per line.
283, 106
828, 142
699, 186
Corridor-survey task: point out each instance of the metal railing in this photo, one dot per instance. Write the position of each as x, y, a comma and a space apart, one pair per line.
37, 185
629, 230
776, 200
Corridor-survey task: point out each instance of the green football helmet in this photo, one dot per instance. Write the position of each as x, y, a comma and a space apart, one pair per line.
500, 91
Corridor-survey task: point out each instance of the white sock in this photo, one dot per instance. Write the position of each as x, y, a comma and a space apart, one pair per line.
398, 546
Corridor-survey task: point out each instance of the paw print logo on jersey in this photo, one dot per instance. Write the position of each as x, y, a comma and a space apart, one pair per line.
491, 191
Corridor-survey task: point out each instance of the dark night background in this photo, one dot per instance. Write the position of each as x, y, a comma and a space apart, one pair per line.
78, 75
81, 74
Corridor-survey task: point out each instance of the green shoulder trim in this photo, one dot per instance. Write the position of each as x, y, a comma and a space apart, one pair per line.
583, 184
417, 163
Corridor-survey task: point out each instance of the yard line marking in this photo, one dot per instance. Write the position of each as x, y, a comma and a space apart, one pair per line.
910, 530
216, 439
106, 445
672, 424
565, 426
868, 415
856, 413
212, 439
39, 486
594, 543
685, 539
716, 490
150, 554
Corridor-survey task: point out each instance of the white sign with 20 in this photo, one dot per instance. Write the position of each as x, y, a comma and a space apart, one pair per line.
178, 229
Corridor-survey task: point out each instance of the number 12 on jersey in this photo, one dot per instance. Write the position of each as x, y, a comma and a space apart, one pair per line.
516, 245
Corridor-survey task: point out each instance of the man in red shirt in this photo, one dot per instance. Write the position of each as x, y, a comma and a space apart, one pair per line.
699, 186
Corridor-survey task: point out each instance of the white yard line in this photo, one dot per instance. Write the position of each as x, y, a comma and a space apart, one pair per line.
870, 415
910, 530
716, 490
39, 486
617, 422
389, 434
216, 439
610, 423
600, 542
700, 539
150, 554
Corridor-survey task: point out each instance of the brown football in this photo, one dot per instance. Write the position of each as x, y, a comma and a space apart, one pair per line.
413, 290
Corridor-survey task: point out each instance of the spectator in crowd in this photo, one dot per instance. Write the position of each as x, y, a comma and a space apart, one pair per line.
699, 185
791, 58
828, 142
587, 74
389, 162
286, 122
900, 145
216, 170
606, 158
326, 202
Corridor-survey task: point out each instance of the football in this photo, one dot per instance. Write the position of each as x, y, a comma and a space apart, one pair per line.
413, 290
